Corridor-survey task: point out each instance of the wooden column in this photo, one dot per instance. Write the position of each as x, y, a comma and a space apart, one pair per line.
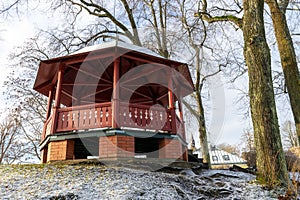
180, 105
115, 95
181, 118
180, 110
171, 103
48, 113
170, 95
58, 87
57, 98
49, 104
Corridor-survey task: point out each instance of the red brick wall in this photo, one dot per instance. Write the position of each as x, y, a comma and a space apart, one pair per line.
44, 153
170, 148
116, 146
185, 155
60, 150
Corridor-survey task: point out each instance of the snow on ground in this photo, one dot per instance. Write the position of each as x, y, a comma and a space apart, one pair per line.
101, 182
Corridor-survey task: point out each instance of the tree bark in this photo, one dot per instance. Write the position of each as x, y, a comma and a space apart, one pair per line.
288, 59
203, 132
270, 158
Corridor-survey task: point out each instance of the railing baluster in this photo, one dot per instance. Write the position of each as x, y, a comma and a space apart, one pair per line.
130, 115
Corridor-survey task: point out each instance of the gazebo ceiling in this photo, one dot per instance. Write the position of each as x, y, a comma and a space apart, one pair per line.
88, 75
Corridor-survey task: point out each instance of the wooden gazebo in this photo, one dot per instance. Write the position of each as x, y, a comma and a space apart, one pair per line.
111, 101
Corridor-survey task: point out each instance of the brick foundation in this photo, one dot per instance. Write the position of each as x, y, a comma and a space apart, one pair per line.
185, 155
170, 148
116, 146
44, 153
60, 150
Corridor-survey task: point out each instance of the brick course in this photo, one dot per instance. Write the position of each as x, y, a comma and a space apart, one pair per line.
60, 150
116, 146
170, 148
44, 153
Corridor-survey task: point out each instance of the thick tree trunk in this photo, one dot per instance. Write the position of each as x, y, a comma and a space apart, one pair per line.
270, 158
288, 59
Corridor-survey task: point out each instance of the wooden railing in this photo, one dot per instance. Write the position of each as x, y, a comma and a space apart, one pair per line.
99, 115
47, 127
146, 117
84, 117
180, 129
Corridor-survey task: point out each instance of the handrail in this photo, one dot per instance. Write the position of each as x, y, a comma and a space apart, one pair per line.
47, 127
83, 107
99, 115
84, 117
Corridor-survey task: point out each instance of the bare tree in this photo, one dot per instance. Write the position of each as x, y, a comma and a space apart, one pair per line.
287, 56
289, 135
230, 148
262, 102
6, 7
20, 95
9, 130
249, 152
247, 140
197, 60
122, 19
205, 47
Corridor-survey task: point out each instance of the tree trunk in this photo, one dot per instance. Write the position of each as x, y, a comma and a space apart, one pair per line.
270, 158
288, 59
203, 132
201, 117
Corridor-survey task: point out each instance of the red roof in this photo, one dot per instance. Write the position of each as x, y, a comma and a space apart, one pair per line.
88, 75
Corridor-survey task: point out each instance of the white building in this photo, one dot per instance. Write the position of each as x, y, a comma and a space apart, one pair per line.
223, 160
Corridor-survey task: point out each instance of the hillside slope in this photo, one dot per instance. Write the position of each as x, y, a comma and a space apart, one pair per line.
102, 182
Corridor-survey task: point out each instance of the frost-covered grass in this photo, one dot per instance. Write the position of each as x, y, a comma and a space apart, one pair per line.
101, 182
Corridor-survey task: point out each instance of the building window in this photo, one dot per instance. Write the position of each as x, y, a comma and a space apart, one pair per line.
215, 158
226, 157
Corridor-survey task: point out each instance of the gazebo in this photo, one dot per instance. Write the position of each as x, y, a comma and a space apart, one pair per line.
111, 101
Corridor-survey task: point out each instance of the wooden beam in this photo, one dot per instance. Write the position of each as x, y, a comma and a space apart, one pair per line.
140, 74
69, 95
97, 92
104, 68
161, 97
153, 61
143, 102
89, 57
86, 84
90, 74
138, 93
148, 85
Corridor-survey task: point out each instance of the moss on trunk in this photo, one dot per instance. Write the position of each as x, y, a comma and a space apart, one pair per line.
270, 158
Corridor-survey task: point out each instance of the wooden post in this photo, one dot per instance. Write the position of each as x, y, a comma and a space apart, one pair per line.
115, 95
58, 87
50, 98
171, 99
49, 104
171, 103
57, 98
181, 118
